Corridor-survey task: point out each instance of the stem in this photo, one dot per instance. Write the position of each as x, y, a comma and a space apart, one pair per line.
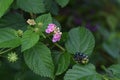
32, 15
6, 51
60, 47
1, 49
103, 67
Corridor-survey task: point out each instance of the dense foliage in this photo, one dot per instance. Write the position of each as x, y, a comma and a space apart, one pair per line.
59, 40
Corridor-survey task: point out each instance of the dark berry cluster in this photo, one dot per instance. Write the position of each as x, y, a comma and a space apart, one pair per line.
81, 58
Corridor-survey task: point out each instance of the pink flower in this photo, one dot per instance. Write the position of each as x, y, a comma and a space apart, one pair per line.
56, 32
56, 37
51, 27
47, 31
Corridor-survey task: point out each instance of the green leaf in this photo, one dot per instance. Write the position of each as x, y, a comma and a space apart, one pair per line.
104, 32
54, 8
80, 39
8, 38
112, 21
62, 3
13, 20
32, 6
45, 20
116, 70
29, 39
4, 5
56, 23
39, 60
28, 75
55, 56
112, 49
48, 4
63, 63
82, 72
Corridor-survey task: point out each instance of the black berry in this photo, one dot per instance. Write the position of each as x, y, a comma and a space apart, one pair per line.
81, 58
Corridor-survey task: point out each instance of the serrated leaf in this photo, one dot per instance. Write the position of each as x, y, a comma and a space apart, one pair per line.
82, 72
4, 5
116, 70
39, 60
32, 6
80, 40
48, 4
63, 63
8, 38
55, 56
13, 20
29, 39
54, 9
62, 3
45, 20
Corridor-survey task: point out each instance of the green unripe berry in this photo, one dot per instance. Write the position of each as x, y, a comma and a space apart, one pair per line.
12, 57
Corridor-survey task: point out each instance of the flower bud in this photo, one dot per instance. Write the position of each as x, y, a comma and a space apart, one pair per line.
31, 22
40, 24
20, 33
36, 30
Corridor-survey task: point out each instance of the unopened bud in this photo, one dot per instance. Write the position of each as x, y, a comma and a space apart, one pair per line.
20, 33
40, 24
36, 30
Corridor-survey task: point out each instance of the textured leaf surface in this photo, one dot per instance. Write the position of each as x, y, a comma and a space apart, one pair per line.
62, 3
4, 5
45, 20
29, 39
39, 60
54, 8
33, 6
28, 75
8, 38
82, 72
13, 20
80, 39
63, 63
116, 70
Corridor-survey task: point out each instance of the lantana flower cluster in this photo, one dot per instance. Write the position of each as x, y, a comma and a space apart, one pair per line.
52, 28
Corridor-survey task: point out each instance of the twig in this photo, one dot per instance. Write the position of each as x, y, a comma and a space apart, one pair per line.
6, 50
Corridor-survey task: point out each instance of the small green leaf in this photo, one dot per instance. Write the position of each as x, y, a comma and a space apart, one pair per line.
45, 20
8, 38
62, 3
80, 40
116, 70
112, 21
32, 6
63, 63
82, 72
39, 60
29, 39
4, 5
112, 49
